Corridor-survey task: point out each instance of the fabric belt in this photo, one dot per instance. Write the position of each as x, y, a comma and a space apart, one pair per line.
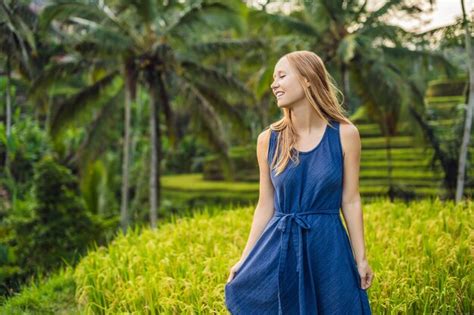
286, 221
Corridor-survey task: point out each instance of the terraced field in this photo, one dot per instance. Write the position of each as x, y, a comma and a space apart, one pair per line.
410, 164
412, 176
411, 171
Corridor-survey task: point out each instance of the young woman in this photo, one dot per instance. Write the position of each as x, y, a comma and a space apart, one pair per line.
299, 258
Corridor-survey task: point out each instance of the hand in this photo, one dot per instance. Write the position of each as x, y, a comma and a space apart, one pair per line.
366, 274
233, 270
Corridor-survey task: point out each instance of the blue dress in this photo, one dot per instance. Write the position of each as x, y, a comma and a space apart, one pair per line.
302, 262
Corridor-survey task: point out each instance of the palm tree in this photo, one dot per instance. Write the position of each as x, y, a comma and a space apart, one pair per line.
361, 49
153, 40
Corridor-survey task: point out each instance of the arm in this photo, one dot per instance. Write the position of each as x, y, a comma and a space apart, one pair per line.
351, 201
264, 209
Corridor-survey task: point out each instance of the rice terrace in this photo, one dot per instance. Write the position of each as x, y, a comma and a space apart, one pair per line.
236, 157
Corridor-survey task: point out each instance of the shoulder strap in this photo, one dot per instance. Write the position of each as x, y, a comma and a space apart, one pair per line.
337, 136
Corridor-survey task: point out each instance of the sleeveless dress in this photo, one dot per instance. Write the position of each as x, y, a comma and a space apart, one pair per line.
302, 262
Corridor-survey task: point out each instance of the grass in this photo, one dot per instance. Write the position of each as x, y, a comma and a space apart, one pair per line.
43, 295
195, 182
420, 253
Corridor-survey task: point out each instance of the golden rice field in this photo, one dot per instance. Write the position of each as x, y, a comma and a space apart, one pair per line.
421, 253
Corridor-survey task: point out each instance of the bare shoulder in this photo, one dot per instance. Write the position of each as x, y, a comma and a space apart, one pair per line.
349, 131
263, 141
350, 137
264, 136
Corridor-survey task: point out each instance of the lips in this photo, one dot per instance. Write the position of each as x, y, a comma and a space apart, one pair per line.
279, 94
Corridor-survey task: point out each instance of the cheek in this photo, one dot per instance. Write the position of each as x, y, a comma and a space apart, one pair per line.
287, 85
294, 89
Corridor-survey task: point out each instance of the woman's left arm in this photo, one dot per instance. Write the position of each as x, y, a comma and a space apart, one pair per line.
351, 201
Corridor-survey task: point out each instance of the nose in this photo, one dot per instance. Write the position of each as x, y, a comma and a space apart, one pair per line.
273, 85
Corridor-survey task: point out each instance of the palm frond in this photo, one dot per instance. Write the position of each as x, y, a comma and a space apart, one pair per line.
347, 48
20, 20
334, 9
384, 9
385, 99
226, 47
224, 109
69, 109
103, 41
212, 125
100, 130
54, 73
394, 33
195, 72
64, 9
436, 59
208, 127
281, 24
146, 9
442, 29
19, 35
204, 16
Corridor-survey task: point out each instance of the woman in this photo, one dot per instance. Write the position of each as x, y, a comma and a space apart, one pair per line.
298, 258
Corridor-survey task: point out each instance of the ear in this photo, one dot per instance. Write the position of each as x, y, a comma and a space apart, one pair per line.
307, 82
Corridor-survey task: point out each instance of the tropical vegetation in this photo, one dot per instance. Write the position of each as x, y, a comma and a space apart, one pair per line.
121, 120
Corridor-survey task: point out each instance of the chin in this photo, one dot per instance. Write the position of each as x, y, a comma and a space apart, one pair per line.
284, 105
281, 104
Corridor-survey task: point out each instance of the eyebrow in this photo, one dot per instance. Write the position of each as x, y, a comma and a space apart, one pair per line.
277, 72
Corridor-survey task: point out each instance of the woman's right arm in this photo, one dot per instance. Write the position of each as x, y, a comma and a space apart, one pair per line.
265, 208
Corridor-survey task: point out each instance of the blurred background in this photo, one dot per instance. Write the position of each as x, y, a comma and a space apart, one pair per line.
120, 116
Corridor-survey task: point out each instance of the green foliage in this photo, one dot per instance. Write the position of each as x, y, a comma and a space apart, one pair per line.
191, 191
92, 186
243, 159
45, 295
58, 229
26, 145
187, 158
72, 76
447, 87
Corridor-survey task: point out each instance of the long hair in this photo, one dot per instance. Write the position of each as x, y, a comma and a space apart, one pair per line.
321, 94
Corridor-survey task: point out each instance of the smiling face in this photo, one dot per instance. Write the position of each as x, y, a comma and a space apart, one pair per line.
286, 86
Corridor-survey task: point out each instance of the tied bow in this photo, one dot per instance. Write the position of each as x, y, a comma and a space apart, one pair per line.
301, 223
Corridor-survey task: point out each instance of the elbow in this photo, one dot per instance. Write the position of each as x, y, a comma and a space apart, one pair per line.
351, 200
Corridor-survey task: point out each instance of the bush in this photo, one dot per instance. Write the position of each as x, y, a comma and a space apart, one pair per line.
58, 229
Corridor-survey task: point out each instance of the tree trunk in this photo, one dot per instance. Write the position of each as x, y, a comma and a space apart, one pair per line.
124, 217
155, 136
388, 151
390, 167
469, 109
8, 102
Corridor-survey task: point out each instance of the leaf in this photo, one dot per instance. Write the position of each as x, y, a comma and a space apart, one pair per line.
347, 48
73, 106
281, 24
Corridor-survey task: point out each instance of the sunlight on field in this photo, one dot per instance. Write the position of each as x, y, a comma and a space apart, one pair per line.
419, 252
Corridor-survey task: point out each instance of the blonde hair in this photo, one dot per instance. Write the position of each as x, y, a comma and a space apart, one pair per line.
321, 94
